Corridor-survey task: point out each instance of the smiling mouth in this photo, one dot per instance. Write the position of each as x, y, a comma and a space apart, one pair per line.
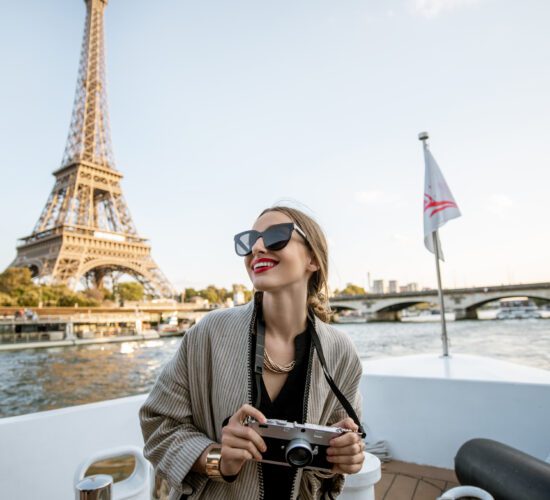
263, 266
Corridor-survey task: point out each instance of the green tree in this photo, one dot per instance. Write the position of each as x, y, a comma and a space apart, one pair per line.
190, 293
130, 290
7, 300
211, 294
352, 289
15, 278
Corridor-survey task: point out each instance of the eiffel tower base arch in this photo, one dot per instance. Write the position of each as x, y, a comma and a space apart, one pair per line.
69, 257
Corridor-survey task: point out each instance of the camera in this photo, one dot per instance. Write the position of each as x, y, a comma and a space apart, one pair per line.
296, 445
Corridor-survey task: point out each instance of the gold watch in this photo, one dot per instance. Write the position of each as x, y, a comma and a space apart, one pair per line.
213, 462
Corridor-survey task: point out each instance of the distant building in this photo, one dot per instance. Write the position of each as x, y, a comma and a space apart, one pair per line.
238, 295
392, 286
410, 287
378, 286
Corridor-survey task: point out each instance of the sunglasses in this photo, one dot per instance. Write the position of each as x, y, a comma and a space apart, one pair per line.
275, 237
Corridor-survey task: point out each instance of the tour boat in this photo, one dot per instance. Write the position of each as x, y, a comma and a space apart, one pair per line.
424, 407
518, 308
429, 316
345, 317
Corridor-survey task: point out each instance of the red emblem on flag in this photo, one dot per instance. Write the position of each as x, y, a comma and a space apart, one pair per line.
437, 206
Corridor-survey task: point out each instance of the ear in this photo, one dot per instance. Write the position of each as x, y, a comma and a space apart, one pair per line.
312, 264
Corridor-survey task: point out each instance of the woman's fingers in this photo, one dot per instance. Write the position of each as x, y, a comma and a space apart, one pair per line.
241, 443
347, 423
352, 449
247, 411
346, 453
233, 441
248, 434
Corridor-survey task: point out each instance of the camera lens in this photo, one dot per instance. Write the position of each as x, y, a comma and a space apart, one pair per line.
298, 453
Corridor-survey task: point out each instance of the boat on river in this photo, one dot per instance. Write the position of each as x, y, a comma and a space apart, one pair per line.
424, 407
427, 316
349, 317
518, 308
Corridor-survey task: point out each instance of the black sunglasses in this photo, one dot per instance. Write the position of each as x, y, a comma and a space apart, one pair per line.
275, 237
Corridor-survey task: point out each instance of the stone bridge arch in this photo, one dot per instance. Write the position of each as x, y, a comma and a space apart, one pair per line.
464, 301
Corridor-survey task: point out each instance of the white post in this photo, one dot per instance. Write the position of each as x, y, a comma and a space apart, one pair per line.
423, 136
444, 338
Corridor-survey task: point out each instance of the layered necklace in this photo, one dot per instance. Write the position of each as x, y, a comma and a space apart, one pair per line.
275, 367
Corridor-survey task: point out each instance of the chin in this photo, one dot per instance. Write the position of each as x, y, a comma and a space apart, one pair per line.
262, 286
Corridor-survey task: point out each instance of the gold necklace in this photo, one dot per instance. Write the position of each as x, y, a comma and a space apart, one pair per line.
275, 367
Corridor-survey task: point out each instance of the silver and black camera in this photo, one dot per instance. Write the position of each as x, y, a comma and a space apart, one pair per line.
296, 445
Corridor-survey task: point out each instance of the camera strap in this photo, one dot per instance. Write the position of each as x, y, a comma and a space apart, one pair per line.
343, 400
259, 367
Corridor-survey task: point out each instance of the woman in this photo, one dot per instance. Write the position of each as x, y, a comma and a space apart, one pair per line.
193, 421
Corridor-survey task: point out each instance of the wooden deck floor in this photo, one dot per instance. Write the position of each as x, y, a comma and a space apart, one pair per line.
404, 481
400, 481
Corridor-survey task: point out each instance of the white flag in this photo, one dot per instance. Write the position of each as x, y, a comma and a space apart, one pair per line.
439, 204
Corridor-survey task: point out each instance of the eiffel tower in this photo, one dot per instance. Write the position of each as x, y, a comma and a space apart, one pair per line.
85, 231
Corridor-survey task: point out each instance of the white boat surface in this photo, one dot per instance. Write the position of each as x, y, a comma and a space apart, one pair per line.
429, 316
345, 317
425, 407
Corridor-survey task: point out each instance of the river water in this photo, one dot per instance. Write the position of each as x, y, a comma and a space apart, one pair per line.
44, 379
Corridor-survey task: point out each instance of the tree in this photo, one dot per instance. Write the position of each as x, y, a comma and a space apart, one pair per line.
130, 290
190, 293
352, 289
211, 294
7, 300
15, 278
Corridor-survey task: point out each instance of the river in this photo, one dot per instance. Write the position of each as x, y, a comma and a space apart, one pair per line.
44, 379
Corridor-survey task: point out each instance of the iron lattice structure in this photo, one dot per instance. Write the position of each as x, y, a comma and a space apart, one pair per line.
85, 231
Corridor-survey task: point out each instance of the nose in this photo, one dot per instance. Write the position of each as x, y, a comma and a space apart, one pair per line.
258, 247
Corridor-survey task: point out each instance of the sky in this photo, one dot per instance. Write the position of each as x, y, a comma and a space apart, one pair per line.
219, 109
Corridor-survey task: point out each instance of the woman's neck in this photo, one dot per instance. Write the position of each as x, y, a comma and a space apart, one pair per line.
285, 314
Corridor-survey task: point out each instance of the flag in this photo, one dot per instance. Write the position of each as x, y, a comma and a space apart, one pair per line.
439, 203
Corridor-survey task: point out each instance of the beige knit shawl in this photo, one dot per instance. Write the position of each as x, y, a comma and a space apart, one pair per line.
208, 380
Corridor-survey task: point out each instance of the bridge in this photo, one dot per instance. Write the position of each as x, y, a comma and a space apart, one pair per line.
463, 301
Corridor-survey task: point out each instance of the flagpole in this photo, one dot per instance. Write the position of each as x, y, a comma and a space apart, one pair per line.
423, 136
444, 338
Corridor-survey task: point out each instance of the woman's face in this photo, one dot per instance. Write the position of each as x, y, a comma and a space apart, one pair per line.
289, 267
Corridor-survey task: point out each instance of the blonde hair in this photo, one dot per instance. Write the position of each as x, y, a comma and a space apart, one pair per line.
317, 287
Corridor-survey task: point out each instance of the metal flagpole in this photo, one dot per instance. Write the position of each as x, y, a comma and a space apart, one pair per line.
423, 136
444, 338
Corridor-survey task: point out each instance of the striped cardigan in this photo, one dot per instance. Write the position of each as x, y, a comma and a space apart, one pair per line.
209, 379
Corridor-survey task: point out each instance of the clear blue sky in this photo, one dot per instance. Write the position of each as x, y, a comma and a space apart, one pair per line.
219, 109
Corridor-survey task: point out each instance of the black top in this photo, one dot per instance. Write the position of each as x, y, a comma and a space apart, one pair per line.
288, 405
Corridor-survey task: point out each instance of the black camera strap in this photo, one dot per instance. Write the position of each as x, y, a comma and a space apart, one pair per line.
343, 400
259, 367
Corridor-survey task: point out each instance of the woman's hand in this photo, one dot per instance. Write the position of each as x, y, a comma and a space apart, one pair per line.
346, 451
239, 442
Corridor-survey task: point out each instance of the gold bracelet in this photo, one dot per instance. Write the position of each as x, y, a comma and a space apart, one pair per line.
213, 461
213, 466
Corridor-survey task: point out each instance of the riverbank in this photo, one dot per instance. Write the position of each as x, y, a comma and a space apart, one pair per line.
45, 344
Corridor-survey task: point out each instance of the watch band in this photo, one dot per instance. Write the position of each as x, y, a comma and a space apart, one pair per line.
213, 463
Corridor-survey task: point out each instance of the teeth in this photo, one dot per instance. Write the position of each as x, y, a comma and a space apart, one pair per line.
263, 264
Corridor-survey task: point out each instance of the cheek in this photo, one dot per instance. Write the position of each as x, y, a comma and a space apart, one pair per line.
247, 262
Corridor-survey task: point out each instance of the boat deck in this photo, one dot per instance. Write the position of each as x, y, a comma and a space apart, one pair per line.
405, 481
400, 481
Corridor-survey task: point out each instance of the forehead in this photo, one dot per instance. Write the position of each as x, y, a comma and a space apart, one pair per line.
269, 219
